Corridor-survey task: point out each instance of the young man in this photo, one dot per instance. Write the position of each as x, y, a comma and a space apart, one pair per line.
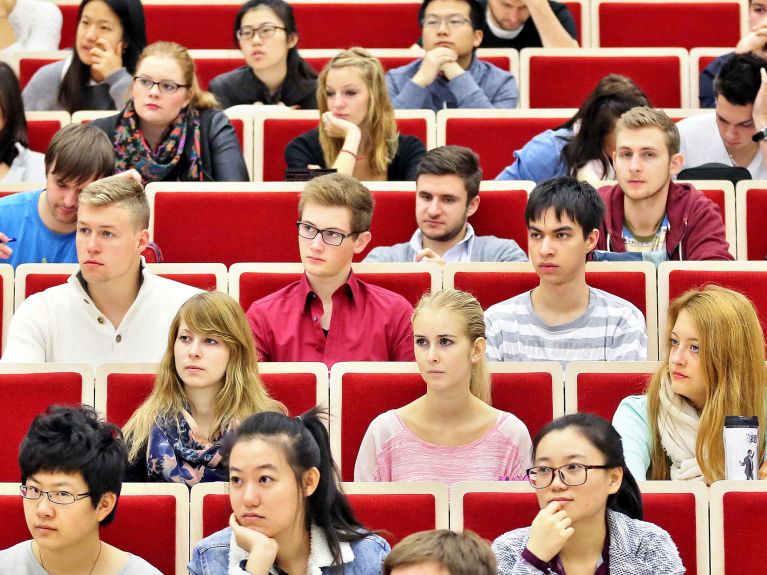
447, 193
329, 315
733, 134
449, 76
528, 24
39, 226
563, 319
114, 308
72, 465
441, 552
649, 216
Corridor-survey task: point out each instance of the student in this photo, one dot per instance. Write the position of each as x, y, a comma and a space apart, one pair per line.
289, 514
591, 509
329, 315
583, 146
207, 383
447, 193
29, 26
39, 226
755, 41
17, 162
72, 466
454, 421
97, 76
714, 367
564, 319
449, 75
113, 308
528, 24
274, 72
733, 134
170, 129
649, 216
358, 134
441, 552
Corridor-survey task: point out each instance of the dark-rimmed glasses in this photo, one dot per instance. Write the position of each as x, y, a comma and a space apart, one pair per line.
166, 86
263, 31
57, 496
572, 474
330, 237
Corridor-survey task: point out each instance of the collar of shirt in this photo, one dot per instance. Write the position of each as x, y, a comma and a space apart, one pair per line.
459, 253
502, 32
350, 286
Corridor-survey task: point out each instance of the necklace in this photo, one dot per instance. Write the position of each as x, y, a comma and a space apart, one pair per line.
101, 545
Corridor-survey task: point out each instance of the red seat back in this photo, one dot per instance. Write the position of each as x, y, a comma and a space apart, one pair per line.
744, 531
575, 10
27, 68
756, 222
527, 395
601, 393
13, 528
125, 393
40, 133
297, 391
675, 512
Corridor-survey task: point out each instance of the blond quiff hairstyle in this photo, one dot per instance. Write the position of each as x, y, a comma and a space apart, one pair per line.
122, 191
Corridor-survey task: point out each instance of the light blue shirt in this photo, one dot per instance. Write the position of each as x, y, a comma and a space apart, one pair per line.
459, 253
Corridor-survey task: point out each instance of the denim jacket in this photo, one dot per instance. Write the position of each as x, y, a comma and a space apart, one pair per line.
219, 554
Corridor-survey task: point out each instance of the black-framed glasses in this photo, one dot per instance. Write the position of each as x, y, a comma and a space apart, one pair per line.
263, 31
57, 496
451, 22
166, 86
572, 474
330, 237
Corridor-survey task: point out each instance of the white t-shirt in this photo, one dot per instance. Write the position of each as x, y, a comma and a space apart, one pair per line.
20, 560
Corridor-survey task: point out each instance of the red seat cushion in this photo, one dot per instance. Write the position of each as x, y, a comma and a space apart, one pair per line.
601, 393
40, 133
744, 532
756, 223
675, 512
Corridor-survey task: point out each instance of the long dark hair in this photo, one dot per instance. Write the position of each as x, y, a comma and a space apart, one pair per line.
299, 71
73, 95
305, 442
602, 435
15, 128
597, 115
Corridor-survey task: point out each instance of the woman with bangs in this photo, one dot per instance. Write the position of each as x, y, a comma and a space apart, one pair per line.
206, 385
358, 134
714, 367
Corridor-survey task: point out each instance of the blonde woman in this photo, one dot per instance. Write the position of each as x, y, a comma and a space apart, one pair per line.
357, 134
452, 433
207, 383
714, 367
171, 130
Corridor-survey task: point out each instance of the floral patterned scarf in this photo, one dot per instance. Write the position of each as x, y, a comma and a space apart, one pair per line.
132, 150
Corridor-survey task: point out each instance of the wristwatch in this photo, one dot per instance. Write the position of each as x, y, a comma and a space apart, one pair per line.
760, 135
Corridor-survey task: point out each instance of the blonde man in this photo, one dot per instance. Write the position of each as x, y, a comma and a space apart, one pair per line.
113, 308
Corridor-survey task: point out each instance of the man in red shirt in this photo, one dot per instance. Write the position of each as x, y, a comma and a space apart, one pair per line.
329, 315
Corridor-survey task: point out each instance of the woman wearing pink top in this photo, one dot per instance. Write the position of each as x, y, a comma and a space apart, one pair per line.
452, 433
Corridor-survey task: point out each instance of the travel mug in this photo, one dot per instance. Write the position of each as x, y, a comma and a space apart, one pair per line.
741, 446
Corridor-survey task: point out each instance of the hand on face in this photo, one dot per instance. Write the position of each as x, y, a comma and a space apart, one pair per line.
262, 550
760, 103
106, 59
754, 41
551, 529
337, 127
434, 62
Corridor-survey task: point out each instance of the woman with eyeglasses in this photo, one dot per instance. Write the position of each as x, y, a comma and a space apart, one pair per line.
357, 135
171, 130
274, 72
591, 509
97, 75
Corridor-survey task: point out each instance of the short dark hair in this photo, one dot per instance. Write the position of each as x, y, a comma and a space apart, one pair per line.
80, 152
71, 439
579, 200
739, 79
14, 129
476, 13
453, 161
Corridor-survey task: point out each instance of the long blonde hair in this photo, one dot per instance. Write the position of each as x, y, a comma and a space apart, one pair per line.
465, 305
379, 123
217, 315
732, 357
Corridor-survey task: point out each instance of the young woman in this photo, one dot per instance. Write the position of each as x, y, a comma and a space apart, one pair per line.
357, 134
714, 367
583, 146
170, 129
207, 383
274, 73
289, 514
97, 76
17, 162
591, 509
452, 433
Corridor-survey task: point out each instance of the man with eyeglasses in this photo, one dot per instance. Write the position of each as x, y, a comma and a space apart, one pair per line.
329, 315
72, 467
449, 76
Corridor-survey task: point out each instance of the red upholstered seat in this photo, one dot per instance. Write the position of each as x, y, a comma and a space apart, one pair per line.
675, 512
578, 16
125, 393
601, 393
527, 395
753, 202
6, 301
298, 391
744, 531
40, 133
13, 527
27, 68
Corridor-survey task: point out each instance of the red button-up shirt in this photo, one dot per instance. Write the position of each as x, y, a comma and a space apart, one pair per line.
369, 323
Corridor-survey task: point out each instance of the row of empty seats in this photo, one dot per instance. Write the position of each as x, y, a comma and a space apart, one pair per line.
669, 76
735, 530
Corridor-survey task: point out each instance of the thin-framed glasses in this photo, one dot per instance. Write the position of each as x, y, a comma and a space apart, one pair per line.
572, 474
264, 31
434, 22
330, 237
166, 86
58, 497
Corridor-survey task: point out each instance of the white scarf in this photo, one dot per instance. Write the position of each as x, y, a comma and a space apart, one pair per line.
678, 427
